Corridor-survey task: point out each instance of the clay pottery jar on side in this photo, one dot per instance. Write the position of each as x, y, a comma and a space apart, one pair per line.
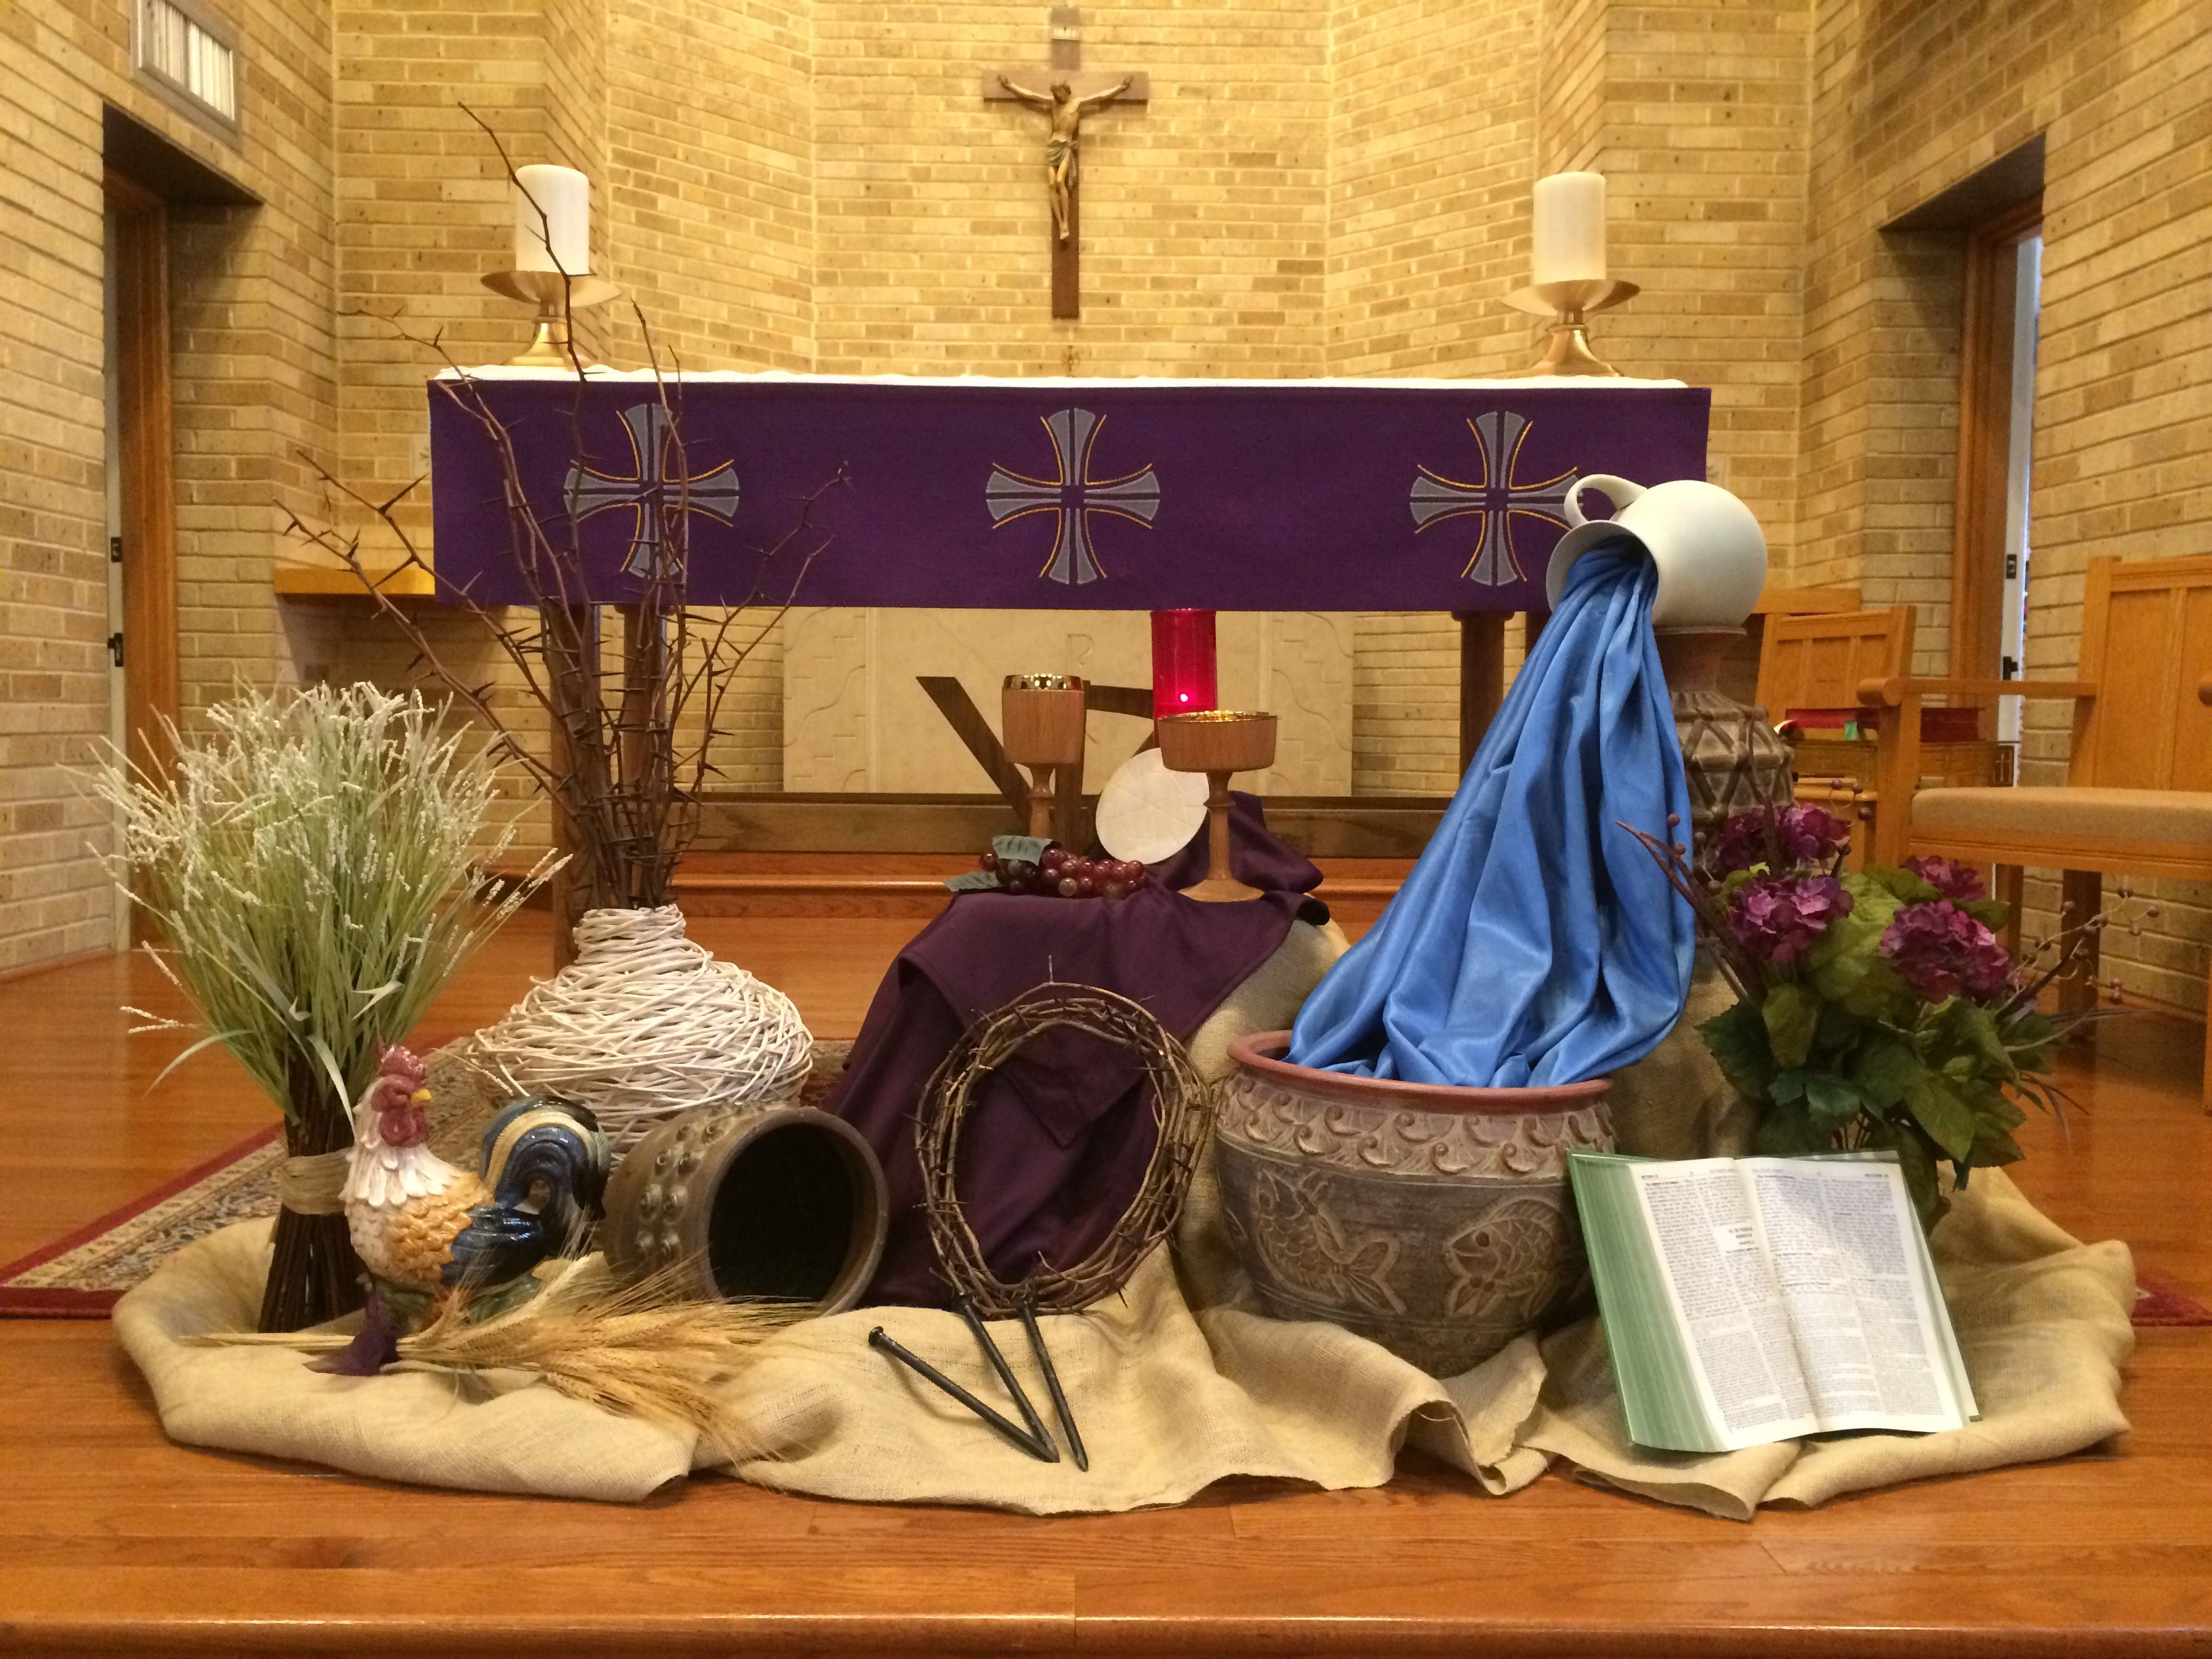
772, 1201
1435, 1221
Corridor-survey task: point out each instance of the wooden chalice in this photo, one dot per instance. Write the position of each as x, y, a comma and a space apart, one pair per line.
1220, 743
1041, 726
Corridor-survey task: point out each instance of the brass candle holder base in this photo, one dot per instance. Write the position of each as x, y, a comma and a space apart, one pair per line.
1040, 726
1220, 743
1569, 305
557, 298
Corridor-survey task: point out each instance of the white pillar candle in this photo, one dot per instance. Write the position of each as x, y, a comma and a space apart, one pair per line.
552, 203
1570, 227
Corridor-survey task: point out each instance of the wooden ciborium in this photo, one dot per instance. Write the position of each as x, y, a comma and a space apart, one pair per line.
1041, 726
1220, 743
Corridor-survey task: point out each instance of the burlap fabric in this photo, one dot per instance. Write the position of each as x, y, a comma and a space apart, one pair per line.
1176, 1384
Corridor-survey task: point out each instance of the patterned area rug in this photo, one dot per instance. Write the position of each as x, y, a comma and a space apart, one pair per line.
82, 1275
2160, 1301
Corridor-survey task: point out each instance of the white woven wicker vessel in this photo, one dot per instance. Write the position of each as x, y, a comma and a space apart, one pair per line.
644, 1025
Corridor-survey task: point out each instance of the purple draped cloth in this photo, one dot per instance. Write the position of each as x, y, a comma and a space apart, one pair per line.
1092, 494
1055, 1143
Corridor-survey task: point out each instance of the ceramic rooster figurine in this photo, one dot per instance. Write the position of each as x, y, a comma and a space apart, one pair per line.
422, 1226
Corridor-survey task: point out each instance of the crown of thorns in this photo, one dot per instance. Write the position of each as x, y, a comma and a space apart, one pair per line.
1178, 1095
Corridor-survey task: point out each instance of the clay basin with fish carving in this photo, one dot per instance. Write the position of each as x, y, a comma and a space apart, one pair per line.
1435, 1221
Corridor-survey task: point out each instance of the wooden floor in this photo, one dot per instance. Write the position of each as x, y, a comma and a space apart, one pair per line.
114, 1541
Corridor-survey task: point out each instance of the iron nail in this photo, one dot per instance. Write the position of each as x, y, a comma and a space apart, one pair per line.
1027, 1312
883, 1341
966, 1309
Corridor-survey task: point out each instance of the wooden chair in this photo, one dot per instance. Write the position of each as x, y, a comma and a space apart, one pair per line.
2138, 795
1739, 676
1820, 661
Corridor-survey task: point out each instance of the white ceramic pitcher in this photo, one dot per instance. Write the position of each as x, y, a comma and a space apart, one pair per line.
1710, 552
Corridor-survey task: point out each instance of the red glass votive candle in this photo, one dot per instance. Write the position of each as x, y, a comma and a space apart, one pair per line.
1184, 681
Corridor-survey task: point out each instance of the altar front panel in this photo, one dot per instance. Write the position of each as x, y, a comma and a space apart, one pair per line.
855, 719
1111, 495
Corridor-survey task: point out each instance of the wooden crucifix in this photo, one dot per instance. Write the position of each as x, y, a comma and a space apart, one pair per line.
1066, 92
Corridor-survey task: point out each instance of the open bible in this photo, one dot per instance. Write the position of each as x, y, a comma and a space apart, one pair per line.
1749, 1300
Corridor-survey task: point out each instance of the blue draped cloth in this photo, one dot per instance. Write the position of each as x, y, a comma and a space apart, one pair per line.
1536, 942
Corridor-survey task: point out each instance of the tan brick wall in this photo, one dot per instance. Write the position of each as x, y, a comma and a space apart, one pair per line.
1908, 101
1430, 155
1444, 115
710, 194
1203, 211
710, 185
254, 384
1702, 144
1569, 75
692, 120
1318, 186
425, 209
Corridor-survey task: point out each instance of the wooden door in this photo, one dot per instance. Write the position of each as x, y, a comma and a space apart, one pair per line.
146, 443
1987, 360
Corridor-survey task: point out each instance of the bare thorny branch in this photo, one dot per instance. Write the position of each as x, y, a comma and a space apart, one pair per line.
630, 748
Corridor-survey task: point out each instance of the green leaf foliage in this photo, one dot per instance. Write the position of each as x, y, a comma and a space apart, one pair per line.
1917, 1159
1844, 964
2032, 1040
1972, 1030
1839, 1051
1992, 913
1791, 1015
1994, 1119
1827, 1102
1737, 1037
1788, 1130
1901, 884
1839, 1029
1888, 1070
1945, 1114
1831, 1100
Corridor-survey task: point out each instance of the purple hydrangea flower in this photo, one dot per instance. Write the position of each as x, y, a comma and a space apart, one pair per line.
1774, 918
1957, 882
1796, 835
1738, 844
1810, 835
1942, 951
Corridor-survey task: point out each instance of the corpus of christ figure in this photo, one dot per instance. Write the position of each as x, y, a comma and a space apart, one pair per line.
1071, 92
1064, 141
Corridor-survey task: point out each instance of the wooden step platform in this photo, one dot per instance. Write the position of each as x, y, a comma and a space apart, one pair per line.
114, 1541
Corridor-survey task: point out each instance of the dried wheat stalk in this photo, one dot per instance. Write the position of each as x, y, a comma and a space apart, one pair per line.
624, 1347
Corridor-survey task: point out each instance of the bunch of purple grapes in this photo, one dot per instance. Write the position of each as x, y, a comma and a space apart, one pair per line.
1059, 873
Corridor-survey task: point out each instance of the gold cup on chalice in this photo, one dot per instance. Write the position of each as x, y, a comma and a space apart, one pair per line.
1220, 743
1041, 726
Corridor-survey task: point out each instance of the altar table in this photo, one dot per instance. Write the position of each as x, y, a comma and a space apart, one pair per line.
1140, 495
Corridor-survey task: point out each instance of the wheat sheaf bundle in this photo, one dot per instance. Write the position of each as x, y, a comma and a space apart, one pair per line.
626, 1348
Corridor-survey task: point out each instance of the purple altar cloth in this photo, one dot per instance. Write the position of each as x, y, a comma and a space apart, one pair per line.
1134, 495
1055, 1143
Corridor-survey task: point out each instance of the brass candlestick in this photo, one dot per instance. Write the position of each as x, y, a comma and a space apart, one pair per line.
557, 298
1220, 743
1040, 726
1569, 305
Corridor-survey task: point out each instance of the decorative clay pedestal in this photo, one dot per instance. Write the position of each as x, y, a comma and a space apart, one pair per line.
1674, 1102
